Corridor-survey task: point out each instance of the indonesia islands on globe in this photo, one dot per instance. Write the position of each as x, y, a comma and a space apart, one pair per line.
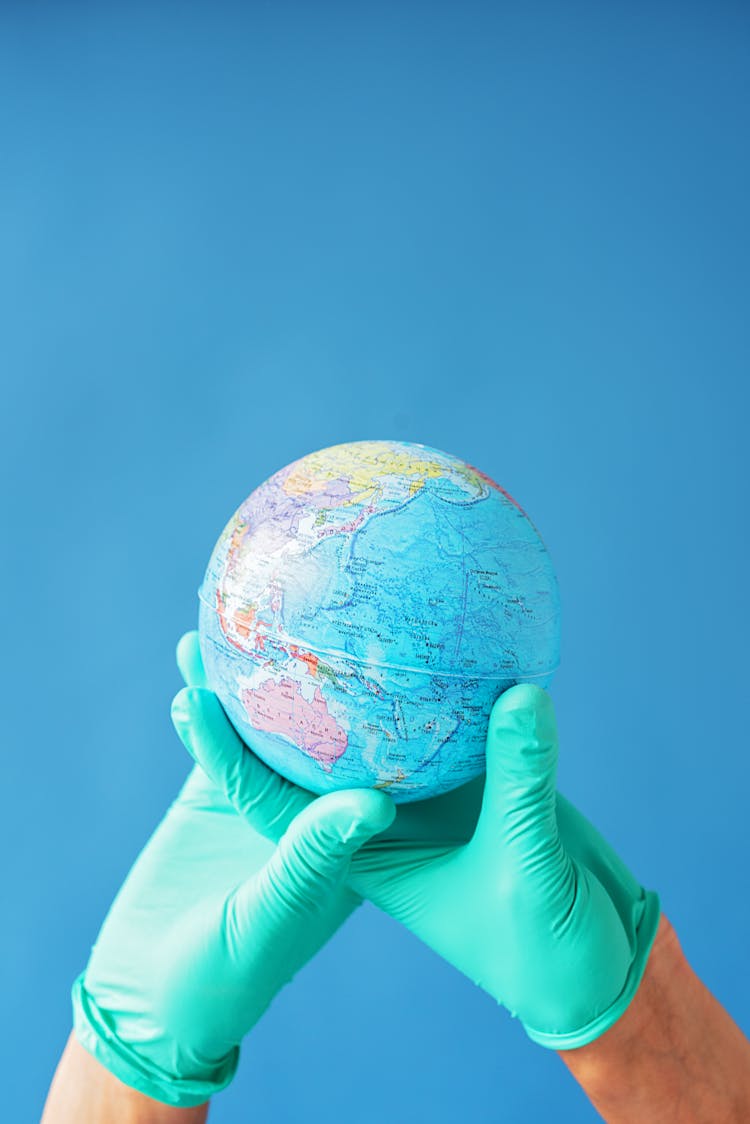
364, 608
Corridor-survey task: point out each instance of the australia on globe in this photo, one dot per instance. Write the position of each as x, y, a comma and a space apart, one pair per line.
364, 608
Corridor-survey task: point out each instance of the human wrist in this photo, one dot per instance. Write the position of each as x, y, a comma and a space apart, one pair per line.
84, 1091
674, 1055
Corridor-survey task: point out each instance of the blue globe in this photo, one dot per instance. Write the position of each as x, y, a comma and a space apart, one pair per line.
363, 609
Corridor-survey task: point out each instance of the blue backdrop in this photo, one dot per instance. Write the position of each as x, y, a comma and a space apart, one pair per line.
233, 234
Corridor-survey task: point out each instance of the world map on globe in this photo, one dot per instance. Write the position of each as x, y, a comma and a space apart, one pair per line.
363, 609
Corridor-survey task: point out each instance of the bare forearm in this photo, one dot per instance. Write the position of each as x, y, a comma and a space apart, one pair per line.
84, 1092
675, 1056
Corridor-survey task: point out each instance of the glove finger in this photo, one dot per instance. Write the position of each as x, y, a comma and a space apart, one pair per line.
190, 661
266, 800
518, 807
314, 854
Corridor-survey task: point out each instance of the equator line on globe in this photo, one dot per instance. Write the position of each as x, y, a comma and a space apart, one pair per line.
363, 609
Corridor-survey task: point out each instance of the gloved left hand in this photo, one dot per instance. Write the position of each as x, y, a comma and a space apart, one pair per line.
211, 922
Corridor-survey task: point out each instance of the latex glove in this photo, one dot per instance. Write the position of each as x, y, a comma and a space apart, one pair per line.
536, 907
212, 920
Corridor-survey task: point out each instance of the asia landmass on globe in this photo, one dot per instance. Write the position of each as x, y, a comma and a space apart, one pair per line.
363, 609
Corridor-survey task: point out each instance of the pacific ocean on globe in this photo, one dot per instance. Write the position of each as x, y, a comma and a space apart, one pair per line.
363, 609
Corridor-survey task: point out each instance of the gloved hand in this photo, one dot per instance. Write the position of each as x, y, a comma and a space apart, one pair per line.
211, 922
536, 907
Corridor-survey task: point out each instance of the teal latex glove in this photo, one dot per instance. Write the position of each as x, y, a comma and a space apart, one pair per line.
211, 922
535, 907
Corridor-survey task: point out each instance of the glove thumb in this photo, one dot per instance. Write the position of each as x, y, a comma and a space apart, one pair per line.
518, 808
266, 800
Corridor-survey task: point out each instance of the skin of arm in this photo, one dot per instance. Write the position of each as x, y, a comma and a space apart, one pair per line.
84, 1092
674, 1057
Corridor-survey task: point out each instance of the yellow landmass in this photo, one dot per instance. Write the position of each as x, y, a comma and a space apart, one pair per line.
362, 464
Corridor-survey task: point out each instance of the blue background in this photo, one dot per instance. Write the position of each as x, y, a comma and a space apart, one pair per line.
232, 234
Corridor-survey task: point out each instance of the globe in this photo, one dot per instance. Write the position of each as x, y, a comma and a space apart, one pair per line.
363, 609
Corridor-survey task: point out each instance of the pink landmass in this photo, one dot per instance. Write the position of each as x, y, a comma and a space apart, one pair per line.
279, 707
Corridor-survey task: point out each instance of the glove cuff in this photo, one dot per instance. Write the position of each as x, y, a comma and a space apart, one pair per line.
94, 1032
644, 939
